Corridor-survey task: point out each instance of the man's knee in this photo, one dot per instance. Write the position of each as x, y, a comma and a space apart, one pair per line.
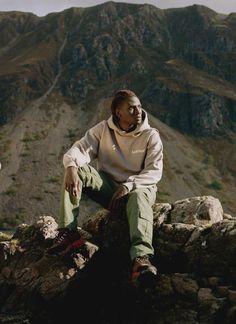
89, 177
84, 172
143, 196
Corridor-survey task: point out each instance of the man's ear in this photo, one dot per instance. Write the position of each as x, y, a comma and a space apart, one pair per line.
118, 113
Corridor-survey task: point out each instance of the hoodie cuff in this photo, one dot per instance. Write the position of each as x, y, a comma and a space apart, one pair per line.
129, 185
70, 164
68, 161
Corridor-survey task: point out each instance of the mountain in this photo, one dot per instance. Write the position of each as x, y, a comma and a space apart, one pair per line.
59, 72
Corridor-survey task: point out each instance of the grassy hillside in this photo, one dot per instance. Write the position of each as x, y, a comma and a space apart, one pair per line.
59, 72
32, 171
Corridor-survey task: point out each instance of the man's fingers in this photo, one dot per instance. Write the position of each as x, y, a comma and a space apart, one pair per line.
112, 203
67, 187
72, 188
117, 204
118, 199
75, 192
71, 181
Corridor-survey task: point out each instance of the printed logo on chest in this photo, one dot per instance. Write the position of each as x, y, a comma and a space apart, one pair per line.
138, 151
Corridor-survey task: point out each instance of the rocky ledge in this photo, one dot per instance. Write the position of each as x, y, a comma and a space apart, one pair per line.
195, 245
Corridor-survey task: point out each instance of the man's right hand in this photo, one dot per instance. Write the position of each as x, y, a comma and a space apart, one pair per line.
72, 181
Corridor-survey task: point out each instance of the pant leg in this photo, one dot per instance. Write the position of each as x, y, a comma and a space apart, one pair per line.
97, 185
140, 218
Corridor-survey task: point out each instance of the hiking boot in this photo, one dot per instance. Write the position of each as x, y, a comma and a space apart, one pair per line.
64, 239
143, 271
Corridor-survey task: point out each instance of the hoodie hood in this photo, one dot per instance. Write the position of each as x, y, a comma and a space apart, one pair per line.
136, 132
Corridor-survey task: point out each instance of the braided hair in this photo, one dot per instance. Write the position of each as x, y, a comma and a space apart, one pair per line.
119, 97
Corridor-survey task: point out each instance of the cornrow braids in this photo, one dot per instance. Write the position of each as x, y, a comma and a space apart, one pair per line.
119, 97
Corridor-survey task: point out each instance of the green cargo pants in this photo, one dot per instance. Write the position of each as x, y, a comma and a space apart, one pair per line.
100, 187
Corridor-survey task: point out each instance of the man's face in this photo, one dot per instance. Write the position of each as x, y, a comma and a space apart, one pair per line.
130, 112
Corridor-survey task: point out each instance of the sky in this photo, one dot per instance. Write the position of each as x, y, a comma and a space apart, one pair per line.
43, 7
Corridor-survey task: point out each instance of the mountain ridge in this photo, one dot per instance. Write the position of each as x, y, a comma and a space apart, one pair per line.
58, 76
151, 46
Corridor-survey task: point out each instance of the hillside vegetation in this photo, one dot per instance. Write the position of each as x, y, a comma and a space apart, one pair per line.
58, 74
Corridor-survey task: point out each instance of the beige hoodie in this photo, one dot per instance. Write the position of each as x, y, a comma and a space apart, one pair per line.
133, 159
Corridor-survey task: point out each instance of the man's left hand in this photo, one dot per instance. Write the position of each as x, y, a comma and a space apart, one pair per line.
117, 200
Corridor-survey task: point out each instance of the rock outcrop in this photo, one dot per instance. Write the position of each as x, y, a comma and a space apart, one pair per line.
196, 264
188, 55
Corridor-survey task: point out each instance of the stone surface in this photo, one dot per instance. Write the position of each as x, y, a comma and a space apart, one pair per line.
185, 286
214, 281
47, 226
227, 216
197, 210
223, 291
196, 273
232, 297
161, 213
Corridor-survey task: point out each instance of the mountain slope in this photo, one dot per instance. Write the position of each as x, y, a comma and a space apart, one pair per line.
131, 45
59, 72
32, 173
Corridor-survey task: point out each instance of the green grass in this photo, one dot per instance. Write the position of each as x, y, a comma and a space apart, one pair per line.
10, 192
24, 154
55, 179
5, 237
207, 160
71, 135
37, 197
197, 175
215, 185
49, 192
5, 146
177, 171
10, 222
31, 137
163, 193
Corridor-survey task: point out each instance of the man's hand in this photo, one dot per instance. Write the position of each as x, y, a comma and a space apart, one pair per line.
72, 181
118, 199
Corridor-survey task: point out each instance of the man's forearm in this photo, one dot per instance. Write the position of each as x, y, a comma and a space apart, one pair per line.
72, 180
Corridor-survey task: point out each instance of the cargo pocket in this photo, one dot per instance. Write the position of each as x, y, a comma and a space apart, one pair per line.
145, 225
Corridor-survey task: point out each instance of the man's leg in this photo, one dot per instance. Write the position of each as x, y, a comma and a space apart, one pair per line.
97, 185
140, 218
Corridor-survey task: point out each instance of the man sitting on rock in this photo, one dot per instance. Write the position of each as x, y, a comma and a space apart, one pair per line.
129, 165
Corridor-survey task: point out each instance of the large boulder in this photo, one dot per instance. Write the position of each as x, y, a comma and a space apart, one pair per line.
196, 282
197, 210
